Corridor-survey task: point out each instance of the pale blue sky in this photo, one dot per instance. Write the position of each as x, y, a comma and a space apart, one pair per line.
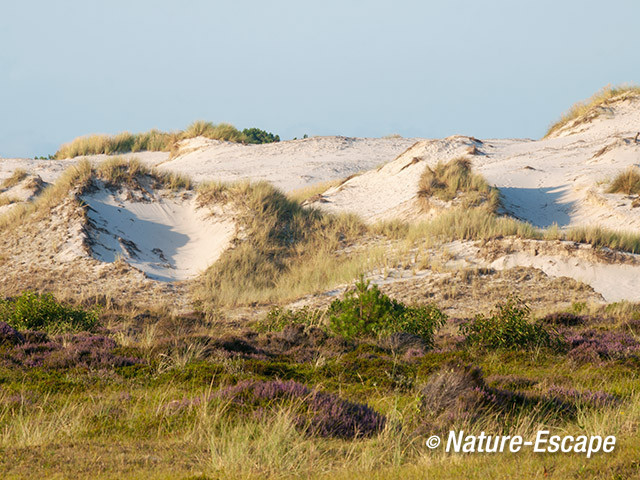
357, 68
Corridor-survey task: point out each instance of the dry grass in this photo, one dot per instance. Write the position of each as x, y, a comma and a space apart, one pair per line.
119, 143
153, 140
448, 181
114, 171
601, 237
313, 191
5, 200
118, 171
74, 177
588, 109
627, 182
17, 176
282, 249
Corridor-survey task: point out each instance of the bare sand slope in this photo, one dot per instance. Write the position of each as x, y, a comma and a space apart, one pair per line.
391, 190
560, 180
166, 236
288, 165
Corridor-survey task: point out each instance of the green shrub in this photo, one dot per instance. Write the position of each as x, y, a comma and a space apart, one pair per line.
256, 135
508, 328
32, 311
365, 311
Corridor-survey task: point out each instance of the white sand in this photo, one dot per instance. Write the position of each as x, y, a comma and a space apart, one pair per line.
552, 181
559, 180
168, 238
288, 165
614, 282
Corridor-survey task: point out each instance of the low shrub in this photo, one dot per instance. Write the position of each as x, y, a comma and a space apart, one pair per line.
508, 328
256, 135
33, 311
316, 413
366, 311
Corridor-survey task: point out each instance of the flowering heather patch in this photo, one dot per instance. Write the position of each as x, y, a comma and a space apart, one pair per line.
8, 334
458, 394
602, 343
16, 400
82, 350
320, 413
585, 397
316, 413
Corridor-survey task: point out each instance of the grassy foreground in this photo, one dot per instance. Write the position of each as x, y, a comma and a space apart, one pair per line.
288, 397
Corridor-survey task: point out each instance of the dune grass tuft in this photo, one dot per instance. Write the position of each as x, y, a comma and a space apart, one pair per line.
627, 182
588, 108
447, 181
118, 171
114, 171
4, 200
282, 249
15, 178
312, 191
156, 140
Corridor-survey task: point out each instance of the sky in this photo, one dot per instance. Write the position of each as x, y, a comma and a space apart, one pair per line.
490, 69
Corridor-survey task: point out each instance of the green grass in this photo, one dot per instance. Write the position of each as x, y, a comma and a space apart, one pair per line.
32, 311
156, 140
130, 425
589, 107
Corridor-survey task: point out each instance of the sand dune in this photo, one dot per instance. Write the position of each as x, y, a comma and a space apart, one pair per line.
167, 236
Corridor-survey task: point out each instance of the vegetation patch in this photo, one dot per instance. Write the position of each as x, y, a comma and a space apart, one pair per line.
366, 312
117, 171
315, 412
627, 182
282, 251
32, 311
155, 140
509, 328
587, 110
16, 177
447, 181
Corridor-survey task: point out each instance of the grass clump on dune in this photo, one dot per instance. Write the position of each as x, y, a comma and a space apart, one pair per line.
282, 251
156, 140
117, 171
16, 177
75, 176
588, 108
627, 182
448, 181
312, 192
114, 172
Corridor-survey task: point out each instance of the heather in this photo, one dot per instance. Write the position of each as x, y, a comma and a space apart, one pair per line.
286, 395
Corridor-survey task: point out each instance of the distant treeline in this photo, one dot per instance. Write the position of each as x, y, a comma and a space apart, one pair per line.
156, 140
